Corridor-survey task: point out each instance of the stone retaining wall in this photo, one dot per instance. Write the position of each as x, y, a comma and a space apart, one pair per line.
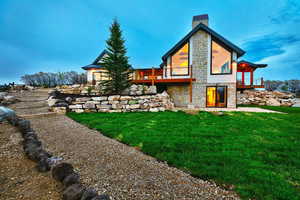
112, 103
266, 98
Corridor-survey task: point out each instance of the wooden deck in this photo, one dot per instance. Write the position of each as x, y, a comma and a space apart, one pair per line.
154, 81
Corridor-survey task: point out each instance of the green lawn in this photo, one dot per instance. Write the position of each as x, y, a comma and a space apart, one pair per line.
257, 153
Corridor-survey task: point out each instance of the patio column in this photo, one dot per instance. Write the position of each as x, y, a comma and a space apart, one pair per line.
243, 78
251, 77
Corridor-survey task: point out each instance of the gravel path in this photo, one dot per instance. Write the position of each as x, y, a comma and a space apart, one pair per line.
19, 180
115, 168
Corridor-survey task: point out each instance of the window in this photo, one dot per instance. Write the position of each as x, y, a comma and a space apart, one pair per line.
180, 61
220, 59
216, 96
100, 76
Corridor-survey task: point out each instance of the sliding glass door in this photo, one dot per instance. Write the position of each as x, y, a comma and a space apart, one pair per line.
216, 96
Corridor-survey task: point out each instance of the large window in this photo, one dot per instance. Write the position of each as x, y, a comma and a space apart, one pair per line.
216, 96
220, 59
180, 61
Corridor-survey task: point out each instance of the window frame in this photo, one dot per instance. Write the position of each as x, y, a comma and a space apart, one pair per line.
211, 52
171, 68
226, 95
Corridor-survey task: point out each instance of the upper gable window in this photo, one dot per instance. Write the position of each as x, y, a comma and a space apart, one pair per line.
220, 59
180, 61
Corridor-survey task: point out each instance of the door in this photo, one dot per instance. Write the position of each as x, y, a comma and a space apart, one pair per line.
216, 96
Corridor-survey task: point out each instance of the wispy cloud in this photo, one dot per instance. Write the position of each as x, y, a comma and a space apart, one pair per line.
261, 47
289, 13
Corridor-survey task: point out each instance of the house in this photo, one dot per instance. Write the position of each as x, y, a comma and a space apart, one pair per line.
201, 70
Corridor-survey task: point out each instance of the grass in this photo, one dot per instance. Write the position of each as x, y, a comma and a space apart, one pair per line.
256, 153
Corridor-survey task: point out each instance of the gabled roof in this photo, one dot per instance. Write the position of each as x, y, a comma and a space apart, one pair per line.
215, 36
95, 64
92, 67
253, 65
99, 57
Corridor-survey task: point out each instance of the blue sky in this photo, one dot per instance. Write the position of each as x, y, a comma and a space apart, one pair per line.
64, 35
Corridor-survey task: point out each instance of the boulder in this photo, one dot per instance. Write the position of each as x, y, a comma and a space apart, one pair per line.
101, 197
54, 93
114, 98
273, 102
73, 192
8, 114
24, 126
10, 99
89, 105
61, 171
71, 179
153, 110
89, 194
51, 101
104, 106
60, 110
77, 106
69, 100
101, 98
43, 165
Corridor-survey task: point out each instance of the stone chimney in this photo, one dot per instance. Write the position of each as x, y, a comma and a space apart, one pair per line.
200, 19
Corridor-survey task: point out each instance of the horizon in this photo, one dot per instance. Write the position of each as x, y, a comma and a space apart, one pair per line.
66, 35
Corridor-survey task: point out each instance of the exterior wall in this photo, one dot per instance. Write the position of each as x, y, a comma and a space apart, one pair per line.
179, 94
226, 78
90, 74
200, 50
200, 63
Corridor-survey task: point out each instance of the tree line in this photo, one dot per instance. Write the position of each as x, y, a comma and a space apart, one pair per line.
288, 85
49, 79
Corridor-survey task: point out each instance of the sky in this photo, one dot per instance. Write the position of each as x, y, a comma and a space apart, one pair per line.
64, 35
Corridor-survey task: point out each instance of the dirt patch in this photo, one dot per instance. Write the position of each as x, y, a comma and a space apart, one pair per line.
18, 177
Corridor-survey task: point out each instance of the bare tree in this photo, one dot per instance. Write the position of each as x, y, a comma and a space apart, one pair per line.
48, 79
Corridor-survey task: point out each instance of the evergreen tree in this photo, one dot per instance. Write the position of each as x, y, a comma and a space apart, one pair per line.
116, 62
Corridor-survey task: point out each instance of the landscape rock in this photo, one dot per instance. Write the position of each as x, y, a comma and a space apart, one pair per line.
61, 171
270, 98
73, 192
89, 194
43, 165
71, 179
69, 100
101, 197
51, 101
59, 110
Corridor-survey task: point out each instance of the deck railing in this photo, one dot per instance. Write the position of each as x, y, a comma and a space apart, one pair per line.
257, 83
164, 73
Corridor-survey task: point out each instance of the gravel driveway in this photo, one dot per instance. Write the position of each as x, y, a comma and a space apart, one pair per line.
115, 168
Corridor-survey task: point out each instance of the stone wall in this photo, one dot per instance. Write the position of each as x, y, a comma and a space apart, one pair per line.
266, 98
97, 90
179, 94
112, 103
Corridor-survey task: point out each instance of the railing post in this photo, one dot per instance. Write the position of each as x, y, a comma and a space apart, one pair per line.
152, 76
191, 84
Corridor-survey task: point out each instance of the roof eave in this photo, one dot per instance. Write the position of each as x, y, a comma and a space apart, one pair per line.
235, 48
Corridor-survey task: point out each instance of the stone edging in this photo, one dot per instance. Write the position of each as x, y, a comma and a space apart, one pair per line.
63, 172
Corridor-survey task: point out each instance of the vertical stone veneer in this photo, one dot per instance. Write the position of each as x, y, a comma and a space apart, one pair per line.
199, 63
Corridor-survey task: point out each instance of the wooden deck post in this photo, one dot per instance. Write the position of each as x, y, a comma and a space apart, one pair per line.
251, 77
243, 78
152, 76
191, 85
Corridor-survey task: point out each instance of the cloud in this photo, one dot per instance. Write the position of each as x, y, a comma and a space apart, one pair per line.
269, 45
289, 13
280, 52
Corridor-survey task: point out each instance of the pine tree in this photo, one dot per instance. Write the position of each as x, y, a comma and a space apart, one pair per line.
116, 62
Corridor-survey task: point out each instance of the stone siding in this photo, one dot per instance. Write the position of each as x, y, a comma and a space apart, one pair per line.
113, 103
179, 94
